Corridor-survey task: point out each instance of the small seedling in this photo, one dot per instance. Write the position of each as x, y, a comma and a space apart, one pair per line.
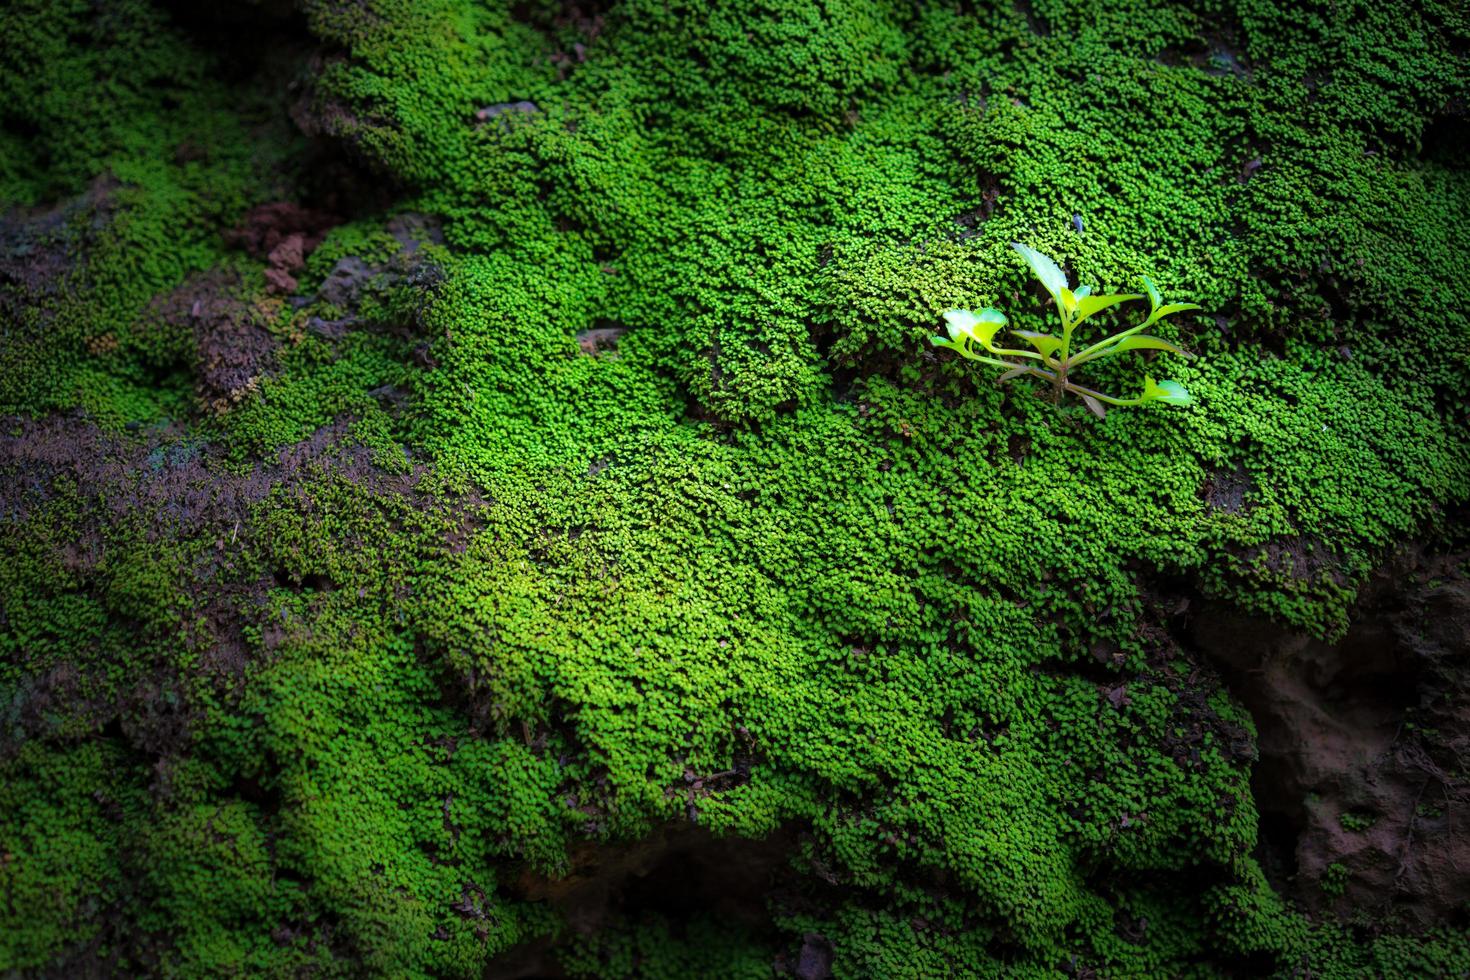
1053, 359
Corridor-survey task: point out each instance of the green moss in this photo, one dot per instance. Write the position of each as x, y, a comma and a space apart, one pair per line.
58, 868
136, 160
652, 949
768, 562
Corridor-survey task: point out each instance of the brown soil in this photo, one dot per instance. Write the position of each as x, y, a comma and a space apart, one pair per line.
1364, 746
233, 349
39, 246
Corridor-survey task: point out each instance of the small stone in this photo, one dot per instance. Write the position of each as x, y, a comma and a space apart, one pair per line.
290, 254
506, 109
329, 329
345, 281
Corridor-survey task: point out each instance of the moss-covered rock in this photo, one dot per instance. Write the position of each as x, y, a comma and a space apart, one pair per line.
475, 439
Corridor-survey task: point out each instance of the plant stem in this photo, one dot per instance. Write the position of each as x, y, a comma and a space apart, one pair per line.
1097, 349
1064, 360
1109, 399
1067, 326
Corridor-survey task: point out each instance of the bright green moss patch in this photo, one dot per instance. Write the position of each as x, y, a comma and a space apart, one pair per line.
604, 483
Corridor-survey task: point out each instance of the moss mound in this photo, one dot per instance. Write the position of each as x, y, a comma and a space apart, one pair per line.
468, 467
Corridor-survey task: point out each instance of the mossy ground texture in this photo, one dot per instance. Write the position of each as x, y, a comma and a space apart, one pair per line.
443, 439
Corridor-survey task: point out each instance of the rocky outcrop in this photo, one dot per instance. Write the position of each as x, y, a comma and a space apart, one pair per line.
1364, 746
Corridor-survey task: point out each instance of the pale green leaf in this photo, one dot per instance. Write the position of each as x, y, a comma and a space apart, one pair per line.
1045, 270
960, 323
1096, 304
980, 327
1082, 292
1045, 343
1145, 342
1164, 311
1154, 297
1168, 392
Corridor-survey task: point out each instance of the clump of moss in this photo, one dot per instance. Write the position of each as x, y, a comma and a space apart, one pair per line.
318, 677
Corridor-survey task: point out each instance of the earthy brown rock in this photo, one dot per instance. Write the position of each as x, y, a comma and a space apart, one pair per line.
1364, 746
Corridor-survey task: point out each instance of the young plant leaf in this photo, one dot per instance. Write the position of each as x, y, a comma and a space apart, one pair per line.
1168, 392
1154, 298
1096, 304
1163, 311
1045, 344
959, 323
979, 327
1044, 269
971, 332
1145, 342
973, 325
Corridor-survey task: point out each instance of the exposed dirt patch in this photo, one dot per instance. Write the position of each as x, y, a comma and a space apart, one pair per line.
1219, 51
233, 349
265, 228
353, 279
601, 339
1227, 490
414, 230
1304, 559
1364, 746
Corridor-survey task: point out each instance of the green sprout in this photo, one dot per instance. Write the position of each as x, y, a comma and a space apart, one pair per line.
1053, 360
